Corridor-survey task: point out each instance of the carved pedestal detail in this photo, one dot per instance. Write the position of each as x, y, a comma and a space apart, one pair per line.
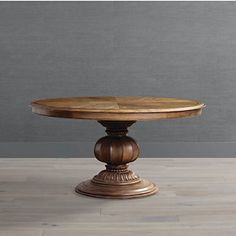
118, 176
116, 181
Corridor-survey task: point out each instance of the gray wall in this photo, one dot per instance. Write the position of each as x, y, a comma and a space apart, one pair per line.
170, 49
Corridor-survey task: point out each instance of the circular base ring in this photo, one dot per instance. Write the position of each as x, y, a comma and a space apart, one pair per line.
141, 189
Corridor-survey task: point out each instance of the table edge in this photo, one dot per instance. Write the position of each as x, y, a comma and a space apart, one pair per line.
119, 116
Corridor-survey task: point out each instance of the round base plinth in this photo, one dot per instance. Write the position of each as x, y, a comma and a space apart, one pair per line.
142, 188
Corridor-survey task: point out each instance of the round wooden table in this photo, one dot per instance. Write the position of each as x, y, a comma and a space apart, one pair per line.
117, 149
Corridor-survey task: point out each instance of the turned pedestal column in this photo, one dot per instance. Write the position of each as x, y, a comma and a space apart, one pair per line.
116, 181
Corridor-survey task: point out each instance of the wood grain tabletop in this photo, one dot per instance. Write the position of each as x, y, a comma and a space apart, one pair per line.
117, 108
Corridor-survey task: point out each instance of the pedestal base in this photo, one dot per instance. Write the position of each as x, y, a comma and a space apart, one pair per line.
116, 181
142, 188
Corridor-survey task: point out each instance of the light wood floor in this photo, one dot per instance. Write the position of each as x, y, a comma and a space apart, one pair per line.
197, 198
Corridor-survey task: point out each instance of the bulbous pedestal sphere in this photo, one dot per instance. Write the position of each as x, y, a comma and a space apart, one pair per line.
116, 150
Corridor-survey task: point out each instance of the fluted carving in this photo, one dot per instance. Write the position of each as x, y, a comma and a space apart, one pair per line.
116, 150
118, 176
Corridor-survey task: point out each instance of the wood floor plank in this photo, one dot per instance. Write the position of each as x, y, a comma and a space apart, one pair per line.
197, 197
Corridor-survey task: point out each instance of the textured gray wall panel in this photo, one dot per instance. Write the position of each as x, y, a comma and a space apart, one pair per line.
172, 49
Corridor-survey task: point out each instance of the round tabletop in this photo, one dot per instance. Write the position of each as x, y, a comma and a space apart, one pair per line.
117, 108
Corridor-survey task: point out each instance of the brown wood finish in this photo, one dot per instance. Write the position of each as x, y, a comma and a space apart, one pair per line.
117, 181
117, 108
117, 149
